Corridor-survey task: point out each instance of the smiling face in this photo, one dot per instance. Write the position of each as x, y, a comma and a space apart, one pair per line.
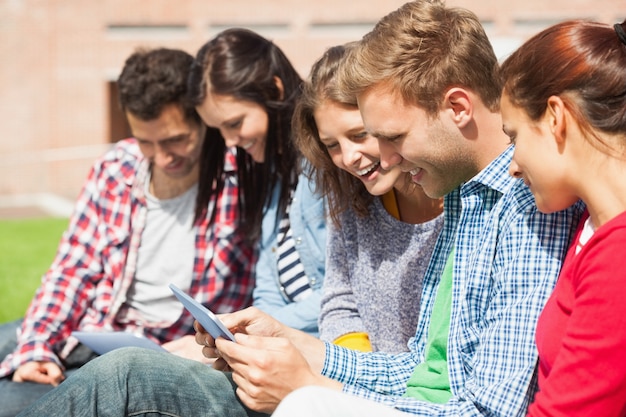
431, 149
341, 131
170, 142
242, 123
539, 159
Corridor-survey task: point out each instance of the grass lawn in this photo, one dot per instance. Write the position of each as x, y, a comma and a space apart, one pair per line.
27, 248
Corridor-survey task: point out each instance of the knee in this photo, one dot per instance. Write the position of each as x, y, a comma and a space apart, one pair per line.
116, 362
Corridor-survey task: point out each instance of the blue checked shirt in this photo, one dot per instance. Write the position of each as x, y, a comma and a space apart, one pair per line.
507, 259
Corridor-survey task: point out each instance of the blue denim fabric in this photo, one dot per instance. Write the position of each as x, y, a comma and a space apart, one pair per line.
308, 226
140, 382
16, 396
8, 337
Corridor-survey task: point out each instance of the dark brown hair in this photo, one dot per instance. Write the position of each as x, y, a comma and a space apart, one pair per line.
153, 79
245, 65
582, 62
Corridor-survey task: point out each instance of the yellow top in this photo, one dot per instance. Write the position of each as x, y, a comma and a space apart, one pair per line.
390, 203
356, 341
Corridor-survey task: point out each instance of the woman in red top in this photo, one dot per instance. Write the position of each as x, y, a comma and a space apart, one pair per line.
564, 108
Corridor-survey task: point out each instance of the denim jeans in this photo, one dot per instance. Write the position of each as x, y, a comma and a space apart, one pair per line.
16, 396
8, 337
141, 382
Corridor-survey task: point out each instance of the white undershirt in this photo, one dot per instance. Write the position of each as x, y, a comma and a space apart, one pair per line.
166, 255
585, 235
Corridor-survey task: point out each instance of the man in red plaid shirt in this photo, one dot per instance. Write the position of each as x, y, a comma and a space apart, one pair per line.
131, 234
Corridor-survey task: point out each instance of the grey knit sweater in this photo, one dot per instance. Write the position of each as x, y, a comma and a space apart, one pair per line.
374, 271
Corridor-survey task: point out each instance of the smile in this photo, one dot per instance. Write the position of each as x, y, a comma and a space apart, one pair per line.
248, 145
368, 170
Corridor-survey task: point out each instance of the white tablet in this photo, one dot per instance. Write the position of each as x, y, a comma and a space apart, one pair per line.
103, 342
207, 319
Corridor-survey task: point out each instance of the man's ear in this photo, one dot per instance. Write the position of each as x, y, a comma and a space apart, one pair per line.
458, 102
280, 87
555, 117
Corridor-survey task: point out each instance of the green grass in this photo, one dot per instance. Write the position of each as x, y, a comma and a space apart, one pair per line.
27, 248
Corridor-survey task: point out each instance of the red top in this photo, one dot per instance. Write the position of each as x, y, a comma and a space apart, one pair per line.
581, 334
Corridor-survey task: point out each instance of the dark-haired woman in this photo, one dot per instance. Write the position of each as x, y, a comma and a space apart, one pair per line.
245, 90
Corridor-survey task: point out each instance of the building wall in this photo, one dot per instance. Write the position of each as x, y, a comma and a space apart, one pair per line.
60, 56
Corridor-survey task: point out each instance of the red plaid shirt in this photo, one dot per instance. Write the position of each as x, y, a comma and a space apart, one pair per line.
96, 260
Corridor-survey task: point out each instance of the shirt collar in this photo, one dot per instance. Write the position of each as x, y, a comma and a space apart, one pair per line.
496, 174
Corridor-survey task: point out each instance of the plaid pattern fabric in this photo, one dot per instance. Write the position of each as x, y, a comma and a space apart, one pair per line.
96, 259
507, 259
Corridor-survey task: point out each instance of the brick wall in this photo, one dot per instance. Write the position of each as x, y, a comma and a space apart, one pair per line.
60, 56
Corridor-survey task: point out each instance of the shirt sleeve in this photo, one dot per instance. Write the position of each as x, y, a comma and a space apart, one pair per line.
68, 287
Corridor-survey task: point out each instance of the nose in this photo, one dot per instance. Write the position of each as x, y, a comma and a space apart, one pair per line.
161, 156
351, 154
231, 139
389, 158
514, 169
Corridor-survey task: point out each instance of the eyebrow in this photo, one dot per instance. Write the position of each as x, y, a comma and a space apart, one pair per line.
175, 137
350, 131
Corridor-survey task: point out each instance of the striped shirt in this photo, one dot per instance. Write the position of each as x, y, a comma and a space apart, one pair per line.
507, 259
293, 280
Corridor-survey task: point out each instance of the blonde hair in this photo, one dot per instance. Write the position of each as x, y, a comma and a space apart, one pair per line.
421, 50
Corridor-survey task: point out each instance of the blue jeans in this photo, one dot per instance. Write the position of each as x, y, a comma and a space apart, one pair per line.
8, 337
141, 382
16, 396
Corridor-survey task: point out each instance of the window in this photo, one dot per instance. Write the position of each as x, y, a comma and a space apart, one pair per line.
118, 125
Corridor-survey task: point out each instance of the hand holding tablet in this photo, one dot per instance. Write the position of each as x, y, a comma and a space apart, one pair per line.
207, 319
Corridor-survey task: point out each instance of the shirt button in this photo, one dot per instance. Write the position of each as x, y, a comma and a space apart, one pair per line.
298, 240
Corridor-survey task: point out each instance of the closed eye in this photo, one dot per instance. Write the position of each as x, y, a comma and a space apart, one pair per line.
392, 138
510, 134
234, 125
331, 146
359, 136
389, 137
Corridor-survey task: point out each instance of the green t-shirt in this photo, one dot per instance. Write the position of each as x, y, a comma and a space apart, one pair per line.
430, 381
